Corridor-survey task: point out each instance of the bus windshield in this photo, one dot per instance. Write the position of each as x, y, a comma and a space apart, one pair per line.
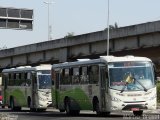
131, 76
44, 81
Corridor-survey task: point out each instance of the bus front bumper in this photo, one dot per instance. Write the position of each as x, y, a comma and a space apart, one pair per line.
133, 106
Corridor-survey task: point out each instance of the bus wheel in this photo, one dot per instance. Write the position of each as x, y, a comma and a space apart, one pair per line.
68, 108
104, 114
41, 110
33, 109
61, 110
138, 113
3, 106
97, 108
76, 112
95, 103
12, 105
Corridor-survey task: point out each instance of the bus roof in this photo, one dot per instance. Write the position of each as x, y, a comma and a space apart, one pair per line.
102, 59
83, 62
28, 68
124, 58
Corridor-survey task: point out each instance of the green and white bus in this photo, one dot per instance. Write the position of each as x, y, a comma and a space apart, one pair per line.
104, 85
27, 87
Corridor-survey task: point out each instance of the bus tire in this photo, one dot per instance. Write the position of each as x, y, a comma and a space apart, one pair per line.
95, 103
17, 108
97, 108
33, 109
67, 106
76, 112
12, 105
61, 110
138, 113
3, 106
41, 110
104, 114
68, 109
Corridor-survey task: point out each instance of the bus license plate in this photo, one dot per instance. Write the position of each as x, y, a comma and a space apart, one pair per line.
135, 109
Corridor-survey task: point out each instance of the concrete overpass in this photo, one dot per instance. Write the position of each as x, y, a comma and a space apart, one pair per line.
142, 40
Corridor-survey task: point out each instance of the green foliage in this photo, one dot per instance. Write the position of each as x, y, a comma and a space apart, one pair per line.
70, 34
111, 27
158, 92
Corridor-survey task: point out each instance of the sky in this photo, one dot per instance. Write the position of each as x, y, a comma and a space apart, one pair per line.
77, 16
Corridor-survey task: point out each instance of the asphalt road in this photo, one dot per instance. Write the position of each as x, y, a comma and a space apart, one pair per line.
51, 114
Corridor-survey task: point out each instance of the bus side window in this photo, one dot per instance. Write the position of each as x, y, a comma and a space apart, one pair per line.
17, 79
75, 77
80, 71
27, 77
5, 80
65, 76
84, 75
11, 80
62, 72
61, 77
94, 74
70, 74
23, 79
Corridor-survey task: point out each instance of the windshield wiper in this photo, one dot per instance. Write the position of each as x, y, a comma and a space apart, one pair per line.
124, 87
145, 89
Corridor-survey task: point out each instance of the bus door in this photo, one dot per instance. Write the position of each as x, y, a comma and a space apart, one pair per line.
103, 87
57, 82
34, 89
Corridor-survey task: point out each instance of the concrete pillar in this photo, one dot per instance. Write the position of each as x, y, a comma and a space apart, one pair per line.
63, 54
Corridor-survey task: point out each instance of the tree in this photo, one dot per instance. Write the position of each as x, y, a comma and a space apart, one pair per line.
115, 26
69, 34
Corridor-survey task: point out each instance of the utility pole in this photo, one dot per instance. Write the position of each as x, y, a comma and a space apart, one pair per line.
49, 26
108, 31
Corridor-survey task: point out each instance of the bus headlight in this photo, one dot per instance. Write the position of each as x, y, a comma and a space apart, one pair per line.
42, 99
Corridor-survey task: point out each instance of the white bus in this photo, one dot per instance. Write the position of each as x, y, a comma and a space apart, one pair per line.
104, 85
27, 87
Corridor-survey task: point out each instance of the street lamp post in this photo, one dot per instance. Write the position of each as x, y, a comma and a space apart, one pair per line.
108, 31
49, 28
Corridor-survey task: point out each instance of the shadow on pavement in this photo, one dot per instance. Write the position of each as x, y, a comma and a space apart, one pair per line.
53, 114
